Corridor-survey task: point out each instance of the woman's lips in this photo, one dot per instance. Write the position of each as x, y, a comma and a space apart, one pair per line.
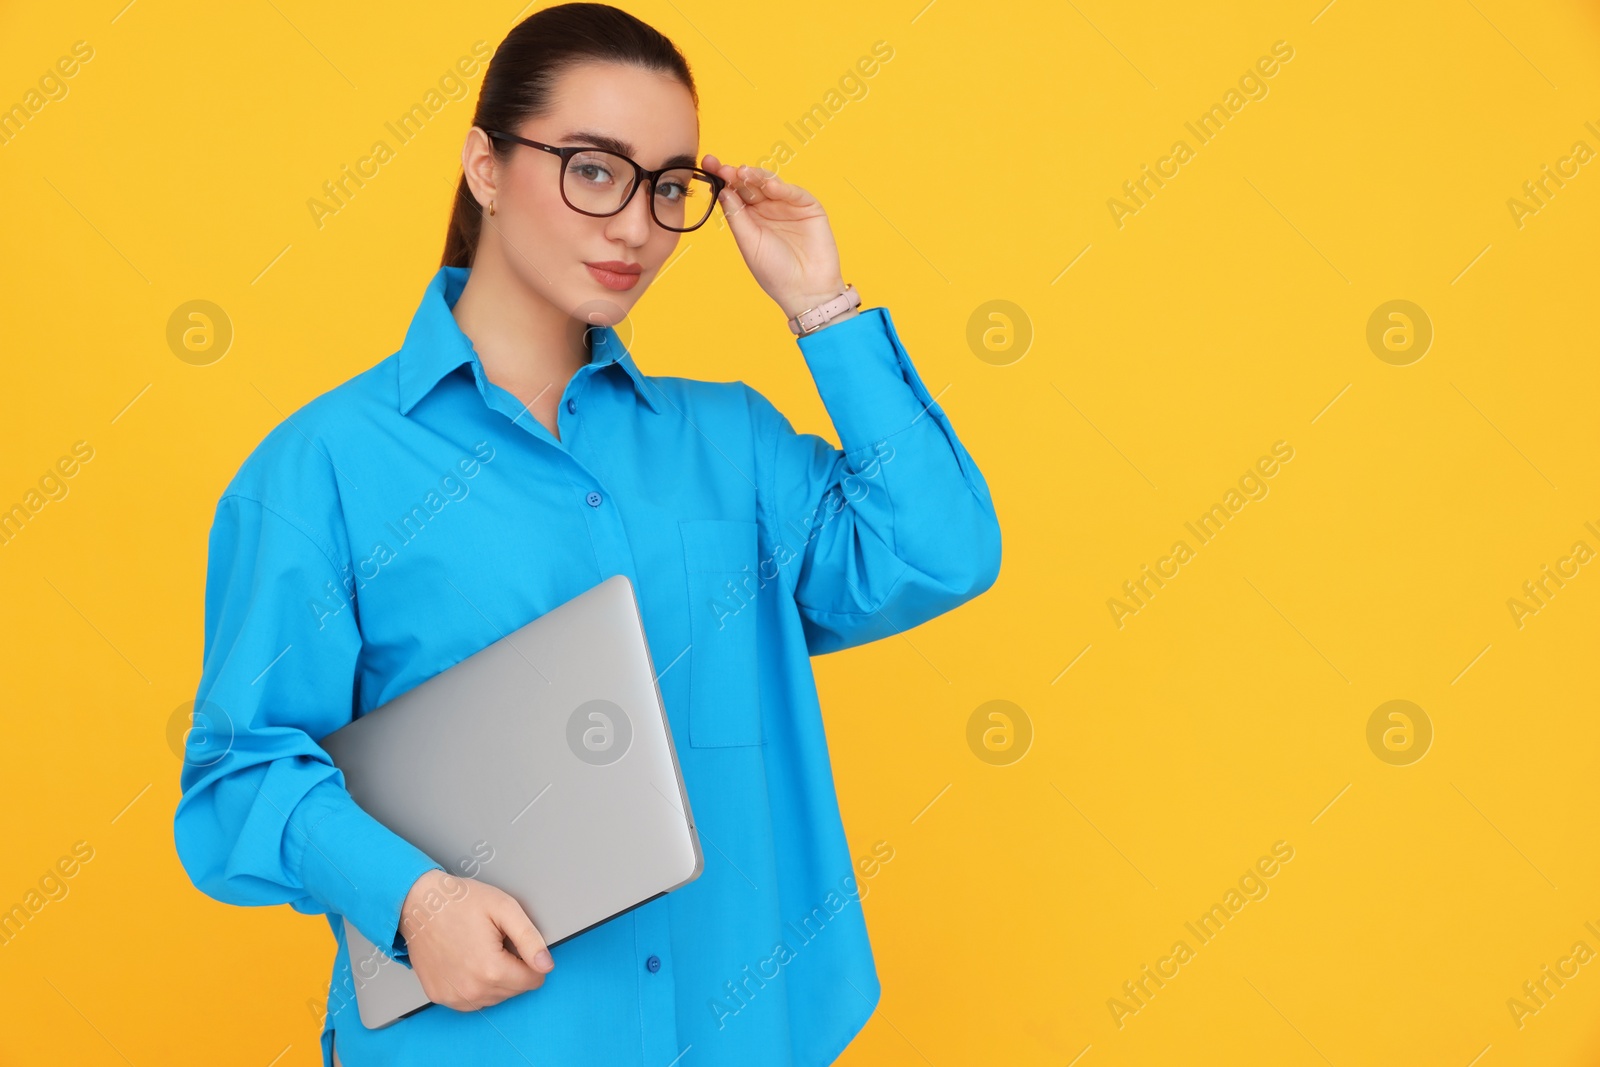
613, 279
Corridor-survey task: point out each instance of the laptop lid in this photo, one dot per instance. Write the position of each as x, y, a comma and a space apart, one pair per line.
542, 765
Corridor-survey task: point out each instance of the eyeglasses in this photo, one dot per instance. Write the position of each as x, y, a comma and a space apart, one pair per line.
600, 183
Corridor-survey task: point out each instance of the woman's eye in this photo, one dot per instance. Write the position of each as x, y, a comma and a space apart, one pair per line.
591, 171
675, 191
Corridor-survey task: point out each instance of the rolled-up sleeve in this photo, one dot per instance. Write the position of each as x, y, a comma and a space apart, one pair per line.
264, 816
893, 527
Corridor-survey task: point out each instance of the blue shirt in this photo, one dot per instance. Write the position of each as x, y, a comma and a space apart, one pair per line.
416, 513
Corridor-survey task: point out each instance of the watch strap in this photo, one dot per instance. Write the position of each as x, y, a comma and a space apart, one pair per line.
813, 318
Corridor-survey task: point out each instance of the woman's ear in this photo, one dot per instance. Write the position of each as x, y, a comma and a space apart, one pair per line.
480, 166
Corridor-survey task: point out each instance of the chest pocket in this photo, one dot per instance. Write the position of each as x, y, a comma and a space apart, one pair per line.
720, 559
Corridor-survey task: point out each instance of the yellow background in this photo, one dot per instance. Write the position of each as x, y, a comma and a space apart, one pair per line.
1229, 313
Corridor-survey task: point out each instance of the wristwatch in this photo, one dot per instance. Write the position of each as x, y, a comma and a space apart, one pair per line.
815, 317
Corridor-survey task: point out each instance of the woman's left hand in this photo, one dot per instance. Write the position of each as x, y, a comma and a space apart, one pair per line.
783, 234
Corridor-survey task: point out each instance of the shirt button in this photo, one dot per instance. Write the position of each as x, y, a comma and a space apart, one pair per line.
653, 964
572, 406
593, 499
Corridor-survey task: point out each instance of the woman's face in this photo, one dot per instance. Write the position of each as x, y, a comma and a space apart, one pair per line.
546, 243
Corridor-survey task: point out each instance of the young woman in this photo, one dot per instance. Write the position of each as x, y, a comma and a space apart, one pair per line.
511, 455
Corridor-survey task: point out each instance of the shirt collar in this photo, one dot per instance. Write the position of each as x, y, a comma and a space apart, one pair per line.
435, 346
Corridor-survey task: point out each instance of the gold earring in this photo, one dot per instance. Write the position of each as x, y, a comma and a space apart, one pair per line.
491, 207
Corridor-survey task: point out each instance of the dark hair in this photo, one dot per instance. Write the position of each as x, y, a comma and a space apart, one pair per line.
522, 76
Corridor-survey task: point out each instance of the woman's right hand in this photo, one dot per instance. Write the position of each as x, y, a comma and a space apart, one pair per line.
457, 942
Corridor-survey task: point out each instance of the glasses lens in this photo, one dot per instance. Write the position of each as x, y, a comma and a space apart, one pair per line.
599, 182
683, 198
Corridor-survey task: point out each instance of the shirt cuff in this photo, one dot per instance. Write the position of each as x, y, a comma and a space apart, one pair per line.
353, 864
864, 377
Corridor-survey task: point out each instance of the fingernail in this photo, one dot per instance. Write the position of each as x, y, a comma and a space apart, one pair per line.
542, 960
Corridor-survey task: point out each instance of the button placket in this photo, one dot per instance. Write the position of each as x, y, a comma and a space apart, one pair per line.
658, 995
570, 404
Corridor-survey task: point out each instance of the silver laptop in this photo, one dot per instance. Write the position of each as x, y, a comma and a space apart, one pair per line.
542, 765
